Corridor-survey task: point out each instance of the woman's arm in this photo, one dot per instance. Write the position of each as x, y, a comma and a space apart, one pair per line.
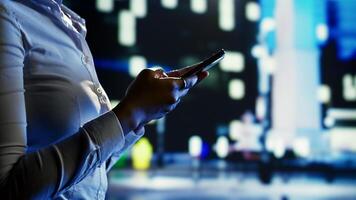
51, 170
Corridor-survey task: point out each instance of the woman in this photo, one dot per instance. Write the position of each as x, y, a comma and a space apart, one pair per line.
58, 134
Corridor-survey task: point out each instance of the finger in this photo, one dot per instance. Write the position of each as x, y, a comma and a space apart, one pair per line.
156, 68
182, 83
173, 73
176, 82
158, 72
202, 75
180, 72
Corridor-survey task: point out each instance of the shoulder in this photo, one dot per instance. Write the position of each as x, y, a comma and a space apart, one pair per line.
14, 10
7, 11
5, 6
8, 5
14, 6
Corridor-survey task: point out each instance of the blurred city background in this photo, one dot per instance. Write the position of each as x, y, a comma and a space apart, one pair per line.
275, 120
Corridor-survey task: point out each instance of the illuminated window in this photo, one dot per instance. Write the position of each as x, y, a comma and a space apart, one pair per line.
105, 5
253, 11
349, 87
169, 4
127, 28
236, 89
136, 65
226, 14
233, 62
138, 8
195, 146
199, 6
324, 94
322, 32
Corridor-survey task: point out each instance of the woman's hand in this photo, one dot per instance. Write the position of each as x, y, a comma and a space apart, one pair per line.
180, 72
151, 96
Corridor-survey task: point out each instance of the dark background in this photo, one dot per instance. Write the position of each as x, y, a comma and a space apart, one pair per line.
174, 39
179, 37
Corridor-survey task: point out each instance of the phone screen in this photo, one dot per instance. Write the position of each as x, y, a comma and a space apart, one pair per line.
206, 64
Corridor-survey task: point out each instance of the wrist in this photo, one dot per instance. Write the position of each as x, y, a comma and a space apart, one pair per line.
125, 113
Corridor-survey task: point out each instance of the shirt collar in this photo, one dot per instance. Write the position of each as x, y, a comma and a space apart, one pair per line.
55, 8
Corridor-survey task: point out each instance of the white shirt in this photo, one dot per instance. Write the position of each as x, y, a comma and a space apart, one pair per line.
58, 137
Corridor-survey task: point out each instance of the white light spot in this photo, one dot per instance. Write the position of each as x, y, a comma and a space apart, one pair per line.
195, 146
232, 62
279, 148
222, 147
276, 144
114, 103
136, 65
267, 25
105, 6
268, 64
199, 6
127, 28
349, 87
324, 94
226, 14
253, 11
235, 129
152, 122
342, 113
301, 147
261, 108
322, 32
169, 4
329, 122
236, 89
343, 139
259, 51
270, 144
138, 8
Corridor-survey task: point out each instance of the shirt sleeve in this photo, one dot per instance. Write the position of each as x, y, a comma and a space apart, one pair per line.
130, 139
52, 170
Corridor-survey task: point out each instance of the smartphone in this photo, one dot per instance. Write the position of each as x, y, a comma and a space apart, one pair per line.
205, 64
